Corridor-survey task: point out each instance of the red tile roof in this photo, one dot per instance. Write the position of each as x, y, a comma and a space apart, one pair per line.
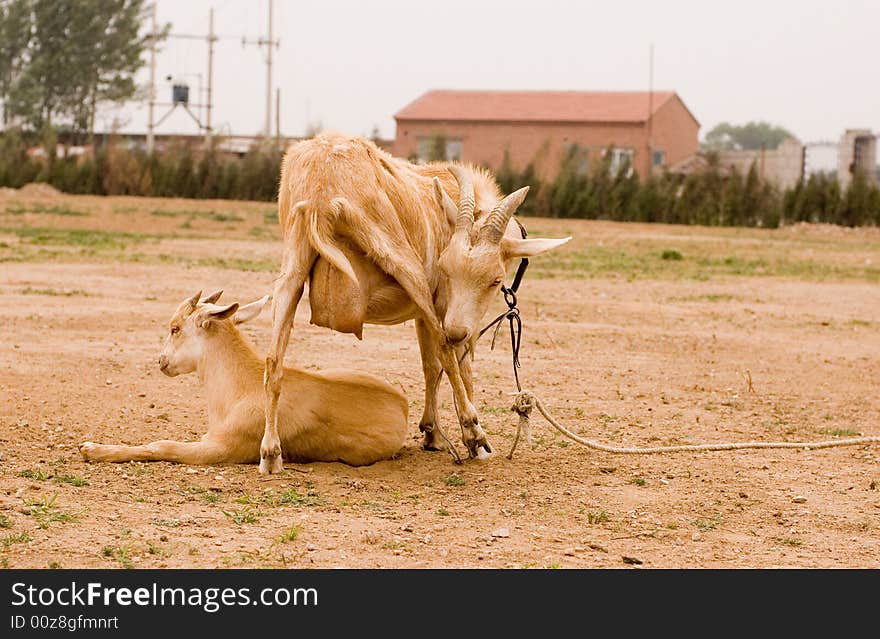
534, 106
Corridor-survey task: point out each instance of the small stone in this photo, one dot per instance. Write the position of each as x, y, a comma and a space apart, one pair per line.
310, 547
632, 561
163, 537
109, 382
696, 537
142, 394
501, 532
799, 499
569, 552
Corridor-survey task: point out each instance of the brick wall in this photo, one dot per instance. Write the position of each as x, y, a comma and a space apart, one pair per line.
674, 131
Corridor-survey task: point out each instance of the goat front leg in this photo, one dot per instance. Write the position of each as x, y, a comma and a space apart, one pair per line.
472, 435
429, 424
205, 451
288, 291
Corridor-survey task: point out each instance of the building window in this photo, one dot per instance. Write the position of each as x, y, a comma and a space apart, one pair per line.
658, 157
621, 158
438, 148
580, 159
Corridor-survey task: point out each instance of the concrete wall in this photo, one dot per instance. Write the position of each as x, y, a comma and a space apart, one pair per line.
858, 153
782, 166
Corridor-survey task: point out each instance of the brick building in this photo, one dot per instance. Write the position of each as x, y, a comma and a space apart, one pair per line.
651, 130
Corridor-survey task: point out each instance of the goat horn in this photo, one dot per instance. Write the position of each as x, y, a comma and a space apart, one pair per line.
194, 301
466, 202
213, 297
493, 228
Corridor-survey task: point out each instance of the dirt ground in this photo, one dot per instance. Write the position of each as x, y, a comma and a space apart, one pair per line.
634, 335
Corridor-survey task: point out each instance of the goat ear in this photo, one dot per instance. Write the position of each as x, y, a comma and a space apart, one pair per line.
213, 297
249, 311
514, 248
445, 202
219, 313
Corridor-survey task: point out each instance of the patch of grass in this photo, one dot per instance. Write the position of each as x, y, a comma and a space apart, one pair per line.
290, 534
155, 549
671, 254
7, 540
839, 432
239, 264
454, 480
597, 517
789, 541
73, 480
166, 523
394, 544
442, 512
242, 516
638, 481
77, 292
122, 554
292, 497
37, 475
55, 565
647, 262
45, 511
270, 217
709, 524
216, 216
90, 238
4, 521
49, 210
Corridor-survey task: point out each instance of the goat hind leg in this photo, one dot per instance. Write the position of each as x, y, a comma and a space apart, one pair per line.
288, 291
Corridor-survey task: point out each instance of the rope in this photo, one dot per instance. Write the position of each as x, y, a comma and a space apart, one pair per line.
526, 401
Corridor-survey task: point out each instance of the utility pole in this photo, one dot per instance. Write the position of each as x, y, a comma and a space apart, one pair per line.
269, 43
269, 76
651, 110
278, 117
151, 142
209, 97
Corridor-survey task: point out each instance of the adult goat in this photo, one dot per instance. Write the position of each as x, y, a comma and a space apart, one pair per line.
369, 233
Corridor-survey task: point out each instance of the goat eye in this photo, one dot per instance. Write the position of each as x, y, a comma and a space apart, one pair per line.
495, 283
175, 330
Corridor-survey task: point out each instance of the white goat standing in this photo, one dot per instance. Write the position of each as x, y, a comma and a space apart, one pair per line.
340, 415
366, 231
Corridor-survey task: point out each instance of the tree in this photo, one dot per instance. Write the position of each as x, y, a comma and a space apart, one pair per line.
752, 136
15, 35
80, 54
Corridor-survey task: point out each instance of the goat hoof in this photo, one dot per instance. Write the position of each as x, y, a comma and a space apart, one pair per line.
432, 440
484, 452
271, 465
87, 450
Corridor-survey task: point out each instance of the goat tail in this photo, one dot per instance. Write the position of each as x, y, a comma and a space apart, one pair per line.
321, 226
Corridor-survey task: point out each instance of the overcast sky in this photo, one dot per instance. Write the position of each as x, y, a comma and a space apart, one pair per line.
811, 66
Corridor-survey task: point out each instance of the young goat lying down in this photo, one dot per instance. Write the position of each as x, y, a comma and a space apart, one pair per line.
330, 416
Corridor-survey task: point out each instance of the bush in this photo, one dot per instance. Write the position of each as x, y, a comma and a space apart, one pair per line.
114, 170
708, 198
